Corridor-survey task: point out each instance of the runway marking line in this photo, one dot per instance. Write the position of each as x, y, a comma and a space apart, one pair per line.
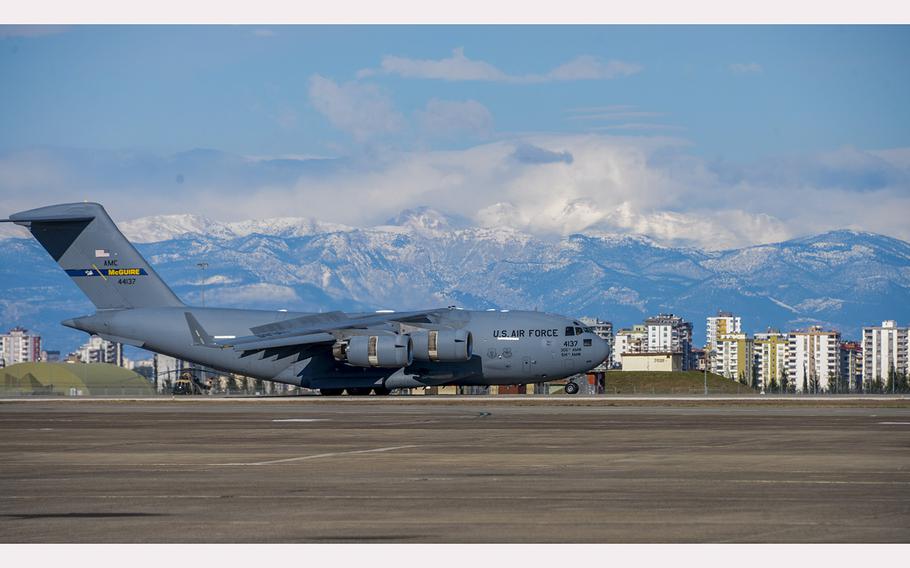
299, 419
317, 456
896, 423
818, 482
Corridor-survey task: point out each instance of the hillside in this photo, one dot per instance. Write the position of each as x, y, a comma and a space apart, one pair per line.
686, 382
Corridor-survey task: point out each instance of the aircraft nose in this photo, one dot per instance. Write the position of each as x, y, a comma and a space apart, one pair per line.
603, 348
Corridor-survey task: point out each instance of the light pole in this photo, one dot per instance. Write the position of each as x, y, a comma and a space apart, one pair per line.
202, 266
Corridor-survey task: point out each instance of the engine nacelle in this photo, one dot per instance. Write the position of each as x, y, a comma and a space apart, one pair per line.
375, 351
444, 345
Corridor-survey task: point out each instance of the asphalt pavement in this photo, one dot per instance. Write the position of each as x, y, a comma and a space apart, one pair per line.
382, 470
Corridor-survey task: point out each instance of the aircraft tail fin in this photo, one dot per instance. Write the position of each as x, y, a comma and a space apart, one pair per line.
87, 244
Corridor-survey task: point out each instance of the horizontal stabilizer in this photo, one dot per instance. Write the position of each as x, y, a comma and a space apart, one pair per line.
200, 336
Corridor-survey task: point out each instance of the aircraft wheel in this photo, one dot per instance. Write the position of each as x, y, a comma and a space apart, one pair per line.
381, 391
571, 388
331, 392
359, 391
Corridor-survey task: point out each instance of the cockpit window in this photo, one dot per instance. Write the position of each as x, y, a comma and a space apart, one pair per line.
578, 331
588, 329
570, 331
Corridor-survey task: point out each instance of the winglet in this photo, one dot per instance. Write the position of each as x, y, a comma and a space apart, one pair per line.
200, 336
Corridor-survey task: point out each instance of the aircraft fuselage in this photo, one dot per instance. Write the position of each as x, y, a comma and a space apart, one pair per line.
510, 347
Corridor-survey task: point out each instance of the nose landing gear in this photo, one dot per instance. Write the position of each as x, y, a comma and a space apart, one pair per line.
571, 387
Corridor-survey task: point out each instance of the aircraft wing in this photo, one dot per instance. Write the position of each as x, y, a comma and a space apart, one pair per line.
307, 330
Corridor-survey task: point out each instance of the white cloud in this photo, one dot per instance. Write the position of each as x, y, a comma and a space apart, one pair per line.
616, 115
622, 117
446, 118
455, 68
638, 126
745, 68
588, 67
458, 67
363, 110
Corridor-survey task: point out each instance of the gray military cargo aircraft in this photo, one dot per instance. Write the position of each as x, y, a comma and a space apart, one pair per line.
331, 352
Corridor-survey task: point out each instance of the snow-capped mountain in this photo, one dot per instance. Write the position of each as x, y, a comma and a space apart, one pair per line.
423, 258
166, 227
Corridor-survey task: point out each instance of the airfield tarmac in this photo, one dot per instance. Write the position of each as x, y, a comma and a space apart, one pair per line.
402, 469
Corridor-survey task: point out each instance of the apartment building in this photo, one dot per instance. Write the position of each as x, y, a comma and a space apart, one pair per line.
813, 359
769, 356
720, 325
668, 333
884, 351
732, 357
19, 346
634, 340
98, 350
851, 365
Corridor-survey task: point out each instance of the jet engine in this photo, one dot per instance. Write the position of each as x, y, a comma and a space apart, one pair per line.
375, 351
444, 345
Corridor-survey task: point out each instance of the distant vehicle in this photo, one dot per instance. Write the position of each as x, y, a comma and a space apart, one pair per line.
333, 352
184, 385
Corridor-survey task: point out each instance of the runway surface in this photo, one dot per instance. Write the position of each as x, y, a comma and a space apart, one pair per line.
380, 470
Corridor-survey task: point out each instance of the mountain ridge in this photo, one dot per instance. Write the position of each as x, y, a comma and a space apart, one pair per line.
843, 279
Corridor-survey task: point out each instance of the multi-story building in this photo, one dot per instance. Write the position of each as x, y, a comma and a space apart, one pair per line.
884, 352
633, 340
98, 350
19, 346
604, 330
720, 325
851, 365
769, 356
668, 333
813, 359
732, 357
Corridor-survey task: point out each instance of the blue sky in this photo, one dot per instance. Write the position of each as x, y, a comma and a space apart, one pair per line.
695, 122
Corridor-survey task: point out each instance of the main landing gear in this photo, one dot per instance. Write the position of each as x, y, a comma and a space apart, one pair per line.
356, 391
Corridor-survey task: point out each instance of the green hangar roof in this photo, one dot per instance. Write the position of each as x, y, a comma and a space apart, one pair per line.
72, 379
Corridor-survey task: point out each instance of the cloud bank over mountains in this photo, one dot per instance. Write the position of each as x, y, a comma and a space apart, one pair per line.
546, 185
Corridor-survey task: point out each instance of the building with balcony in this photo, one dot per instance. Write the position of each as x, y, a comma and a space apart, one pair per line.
851, 365
98, 350
634, 340
19, 346
732, 357
722, 324
668, 333
813, 359
769, 357
884, 352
